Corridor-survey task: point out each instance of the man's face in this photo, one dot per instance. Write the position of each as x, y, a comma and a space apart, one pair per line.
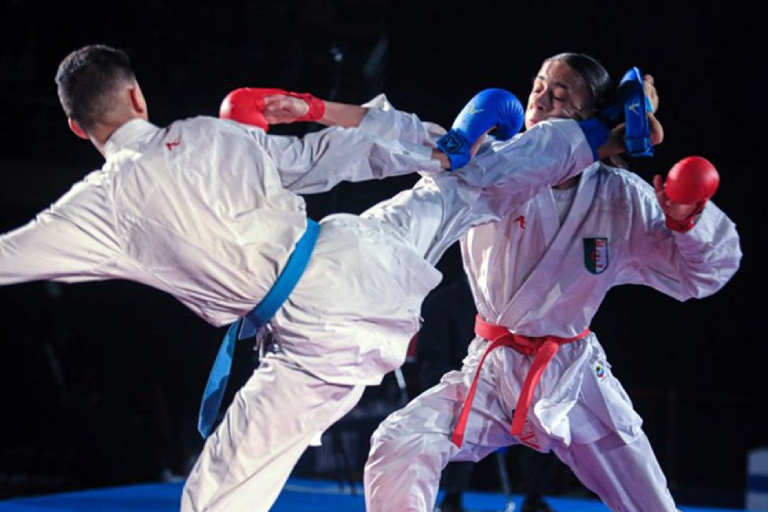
558, 92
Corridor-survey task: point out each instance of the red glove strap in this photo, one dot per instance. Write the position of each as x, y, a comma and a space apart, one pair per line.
686, 224
316, 106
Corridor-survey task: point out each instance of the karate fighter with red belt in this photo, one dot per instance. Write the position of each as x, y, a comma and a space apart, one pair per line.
538, 277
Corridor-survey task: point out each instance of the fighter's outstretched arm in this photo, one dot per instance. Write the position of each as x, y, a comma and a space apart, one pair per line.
319, 160
283, 109
52, 247
491, 108
263, 107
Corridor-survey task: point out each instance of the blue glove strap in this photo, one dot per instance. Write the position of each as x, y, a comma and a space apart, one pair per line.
249, 325
456, 148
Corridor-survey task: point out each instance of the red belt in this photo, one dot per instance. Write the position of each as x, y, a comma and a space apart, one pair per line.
543, 348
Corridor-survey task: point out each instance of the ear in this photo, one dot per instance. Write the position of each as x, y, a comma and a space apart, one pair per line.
138, 103
77, 129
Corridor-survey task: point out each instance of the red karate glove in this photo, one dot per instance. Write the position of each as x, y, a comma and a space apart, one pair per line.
689, 185
246, 105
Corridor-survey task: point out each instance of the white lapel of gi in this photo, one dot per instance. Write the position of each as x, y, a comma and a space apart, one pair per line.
541, 285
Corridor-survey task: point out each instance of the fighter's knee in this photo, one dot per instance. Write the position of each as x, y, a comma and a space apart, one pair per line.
382, 439
389, 442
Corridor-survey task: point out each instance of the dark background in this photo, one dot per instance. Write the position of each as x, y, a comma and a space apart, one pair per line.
100, 381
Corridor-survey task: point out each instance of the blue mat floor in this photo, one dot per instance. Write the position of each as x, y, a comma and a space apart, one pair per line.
299, 495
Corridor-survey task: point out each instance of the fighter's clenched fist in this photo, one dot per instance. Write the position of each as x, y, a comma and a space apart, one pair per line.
261, 107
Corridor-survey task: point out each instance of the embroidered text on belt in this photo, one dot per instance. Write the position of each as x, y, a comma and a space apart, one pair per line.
544, 349
249, 325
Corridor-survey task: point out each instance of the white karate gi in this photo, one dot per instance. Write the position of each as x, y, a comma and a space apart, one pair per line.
537, 277
207, 210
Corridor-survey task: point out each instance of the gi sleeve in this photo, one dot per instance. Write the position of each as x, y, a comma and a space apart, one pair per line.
55, 246
514, 171
383, 121
318, 161
693, 264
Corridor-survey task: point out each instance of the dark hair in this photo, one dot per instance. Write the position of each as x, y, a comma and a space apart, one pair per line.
87, 79
595, 76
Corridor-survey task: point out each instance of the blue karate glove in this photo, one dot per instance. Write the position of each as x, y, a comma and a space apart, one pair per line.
631, 106
488, 108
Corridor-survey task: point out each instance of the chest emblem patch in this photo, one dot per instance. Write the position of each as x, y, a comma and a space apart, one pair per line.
596, 257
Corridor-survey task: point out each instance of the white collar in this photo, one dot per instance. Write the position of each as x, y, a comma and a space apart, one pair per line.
130, 132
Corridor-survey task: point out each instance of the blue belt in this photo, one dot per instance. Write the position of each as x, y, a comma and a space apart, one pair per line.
250, 324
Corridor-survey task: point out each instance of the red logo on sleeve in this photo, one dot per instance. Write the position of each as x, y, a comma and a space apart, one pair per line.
173, 144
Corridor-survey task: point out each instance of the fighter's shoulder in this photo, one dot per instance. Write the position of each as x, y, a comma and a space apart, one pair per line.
207, 131
205, 123
556, 129
622, 184
87, 195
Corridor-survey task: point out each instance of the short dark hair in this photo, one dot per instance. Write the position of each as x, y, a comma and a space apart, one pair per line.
87, 79
594, 74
